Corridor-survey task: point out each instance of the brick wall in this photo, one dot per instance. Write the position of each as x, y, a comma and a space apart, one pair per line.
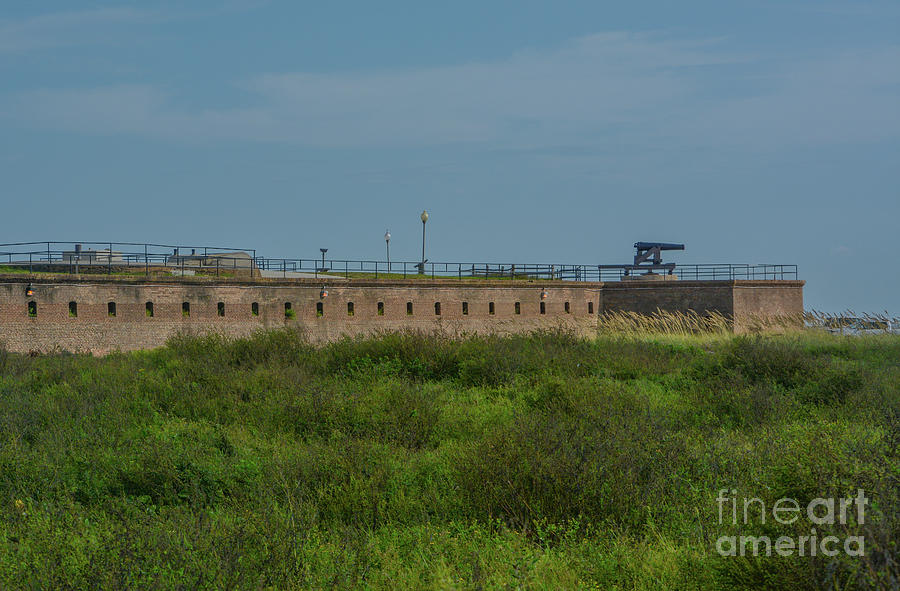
764, 299
743, 300
92, 328
645, 297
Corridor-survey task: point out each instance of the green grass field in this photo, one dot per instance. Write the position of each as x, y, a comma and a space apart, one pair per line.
415, 462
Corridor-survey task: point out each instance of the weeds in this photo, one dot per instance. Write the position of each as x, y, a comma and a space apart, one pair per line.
414, 461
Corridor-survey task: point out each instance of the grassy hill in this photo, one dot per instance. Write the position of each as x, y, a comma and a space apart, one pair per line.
415, 462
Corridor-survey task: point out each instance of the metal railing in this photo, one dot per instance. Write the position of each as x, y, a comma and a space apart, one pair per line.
564, 272
73, 257
128, 257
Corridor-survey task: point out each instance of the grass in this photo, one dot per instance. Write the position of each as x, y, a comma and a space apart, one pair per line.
411, 461
36, 270
413, 275
136, 272
5, 269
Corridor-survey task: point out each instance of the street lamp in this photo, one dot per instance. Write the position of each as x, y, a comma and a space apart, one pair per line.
424, 217
323, 269
387, 244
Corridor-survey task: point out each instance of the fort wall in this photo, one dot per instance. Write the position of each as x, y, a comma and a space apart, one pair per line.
103, 314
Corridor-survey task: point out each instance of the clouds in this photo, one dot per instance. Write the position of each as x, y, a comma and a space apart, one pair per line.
98, 26
554, 92
63, 29
609, 88
844, 97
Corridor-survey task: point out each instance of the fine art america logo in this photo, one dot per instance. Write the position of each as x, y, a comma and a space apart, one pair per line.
734, 510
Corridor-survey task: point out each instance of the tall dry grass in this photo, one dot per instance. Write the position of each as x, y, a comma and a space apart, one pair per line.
693, 323
716, 323
662, 322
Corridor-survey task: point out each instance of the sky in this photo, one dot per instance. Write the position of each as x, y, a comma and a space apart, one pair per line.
552, 132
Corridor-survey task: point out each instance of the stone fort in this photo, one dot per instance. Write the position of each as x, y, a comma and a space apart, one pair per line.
58, 309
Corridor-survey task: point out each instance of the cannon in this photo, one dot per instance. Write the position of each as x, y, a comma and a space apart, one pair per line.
652, 251
648, 258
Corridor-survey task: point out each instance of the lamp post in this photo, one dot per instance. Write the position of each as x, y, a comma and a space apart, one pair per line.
324, 250
424, 217
387, 244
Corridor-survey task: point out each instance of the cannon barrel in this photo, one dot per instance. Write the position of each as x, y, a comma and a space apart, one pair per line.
660, 245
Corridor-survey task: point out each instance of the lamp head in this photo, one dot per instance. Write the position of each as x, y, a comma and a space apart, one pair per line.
324, 293
387, 235
424, 216
544, 294
29, 291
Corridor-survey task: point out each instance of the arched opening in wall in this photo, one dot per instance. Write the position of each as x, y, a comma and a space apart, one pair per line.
350, 309
111, 309
185, 309
320, 310
568, 311
437, 308
32, 309
148, 309
590, 307
409, 308
73, 309
491, 308
254, 309
381, 308
288, 310
518, 308
543, 307
220, 308
465, 307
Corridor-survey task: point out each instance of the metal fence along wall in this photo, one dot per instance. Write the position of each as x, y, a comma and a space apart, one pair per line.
94, 257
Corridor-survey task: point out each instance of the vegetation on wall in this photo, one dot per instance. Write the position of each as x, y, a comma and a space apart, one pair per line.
411, 462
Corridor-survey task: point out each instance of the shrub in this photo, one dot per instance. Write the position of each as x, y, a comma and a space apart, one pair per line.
414, 461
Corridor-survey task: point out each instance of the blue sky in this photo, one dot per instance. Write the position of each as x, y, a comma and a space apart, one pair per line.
754, 132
